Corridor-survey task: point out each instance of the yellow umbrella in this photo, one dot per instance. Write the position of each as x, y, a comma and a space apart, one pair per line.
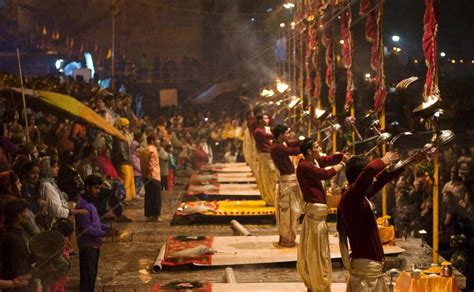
73, 106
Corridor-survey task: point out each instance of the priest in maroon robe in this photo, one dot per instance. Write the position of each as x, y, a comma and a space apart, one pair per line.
314, 258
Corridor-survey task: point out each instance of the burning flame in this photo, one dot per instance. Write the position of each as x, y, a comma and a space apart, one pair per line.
267, 93
319, 112
294, 101
430, 101
281, 86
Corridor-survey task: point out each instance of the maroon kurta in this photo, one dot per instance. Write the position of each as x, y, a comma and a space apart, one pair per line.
280, 156
263, 140
252, 125
200, 157
309, 177
356, 215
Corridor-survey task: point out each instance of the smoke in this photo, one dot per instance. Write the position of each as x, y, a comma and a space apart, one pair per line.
252, 49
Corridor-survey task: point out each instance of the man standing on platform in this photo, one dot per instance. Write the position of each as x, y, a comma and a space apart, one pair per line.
249, 148
150, 166
356, 221
90, 232
267, 174
289, 201
122, 161
314, 258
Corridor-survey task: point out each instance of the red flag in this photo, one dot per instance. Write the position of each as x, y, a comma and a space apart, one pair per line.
430, 49
330, 61
346, 19
373, 33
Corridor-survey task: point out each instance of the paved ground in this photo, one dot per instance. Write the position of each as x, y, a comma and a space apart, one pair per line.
126, 260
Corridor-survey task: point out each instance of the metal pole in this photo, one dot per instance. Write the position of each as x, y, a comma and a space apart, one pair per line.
334, 67
353, 132
114, 14
384, 190
334, 133
436, 211
25, 115
319, 107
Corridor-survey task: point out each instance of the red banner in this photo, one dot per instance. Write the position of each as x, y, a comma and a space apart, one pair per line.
430, 49
373, 33
329, 58
319, 6
311, 54
346, 19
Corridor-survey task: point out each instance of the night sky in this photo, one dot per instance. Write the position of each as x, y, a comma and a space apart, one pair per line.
456, 26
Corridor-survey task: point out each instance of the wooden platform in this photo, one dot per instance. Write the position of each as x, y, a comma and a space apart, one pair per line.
226, 167
224, 189
270, 287
245, 177
245, 250
255, 287
216, 191
214, 165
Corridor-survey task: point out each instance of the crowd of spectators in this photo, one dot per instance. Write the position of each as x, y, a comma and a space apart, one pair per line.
72, 173
42, 179
410, 203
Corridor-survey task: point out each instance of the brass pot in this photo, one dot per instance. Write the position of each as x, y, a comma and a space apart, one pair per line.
446, 269
416, 274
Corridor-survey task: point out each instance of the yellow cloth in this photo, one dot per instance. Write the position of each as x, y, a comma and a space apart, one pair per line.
249, 150
332, 200
228, 132
267, 178
405, 283
71, 105
387, 234
366, 276
288, 207
126, 174
314, 257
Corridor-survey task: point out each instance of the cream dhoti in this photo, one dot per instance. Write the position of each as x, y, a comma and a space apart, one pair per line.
288, 208
267, 178
366, 276
314, 258
250, 150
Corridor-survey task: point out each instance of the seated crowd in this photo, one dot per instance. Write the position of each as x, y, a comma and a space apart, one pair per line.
64, 175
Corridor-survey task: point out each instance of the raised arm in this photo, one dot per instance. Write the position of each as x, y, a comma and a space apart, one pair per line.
362, 187
287, 150
366, 177
381, 179
384, 176
260, 134
317, 173
293, 143
330, 160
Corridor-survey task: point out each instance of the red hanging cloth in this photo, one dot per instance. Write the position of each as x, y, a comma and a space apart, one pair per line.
373, 33
430, 47
346, 19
